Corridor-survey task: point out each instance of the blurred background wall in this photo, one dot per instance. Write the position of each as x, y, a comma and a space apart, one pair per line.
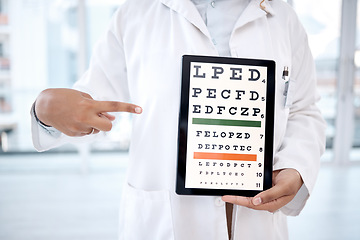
72, 192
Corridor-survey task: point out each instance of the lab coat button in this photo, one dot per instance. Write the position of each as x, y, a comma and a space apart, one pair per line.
213, 4
219, 202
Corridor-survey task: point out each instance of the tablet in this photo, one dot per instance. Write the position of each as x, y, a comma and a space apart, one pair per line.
226, 126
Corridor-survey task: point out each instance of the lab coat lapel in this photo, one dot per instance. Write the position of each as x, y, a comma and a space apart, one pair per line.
188, 10
253, 12
254, 42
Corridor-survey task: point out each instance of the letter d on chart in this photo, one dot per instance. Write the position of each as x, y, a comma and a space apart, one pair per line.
254, 75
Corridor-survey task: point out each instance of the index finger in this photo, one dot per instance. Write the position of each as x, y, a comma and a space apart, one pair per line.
114, 106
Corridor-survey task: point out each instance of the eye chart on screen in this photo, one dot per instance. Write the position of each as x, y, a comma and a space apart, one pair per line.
226, 126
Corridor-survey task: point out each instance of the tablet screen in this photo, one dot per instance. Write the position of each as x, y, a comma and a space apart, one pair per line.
226, 126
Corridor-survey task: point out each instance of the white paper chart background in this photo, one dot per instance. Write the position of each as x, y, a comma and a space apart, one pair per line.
211, 168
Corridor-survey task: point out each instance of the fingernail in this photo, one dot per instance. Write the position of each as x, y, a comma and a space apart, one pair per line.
138, 110
257, 201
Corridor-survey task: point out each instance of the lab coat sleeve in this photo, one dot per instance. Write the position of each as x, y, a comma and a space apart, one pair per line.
106, 79
304, 140
45, 138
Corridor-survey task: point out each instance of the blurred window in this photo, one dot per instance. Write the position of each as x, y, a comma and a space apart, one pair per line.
355, 153
40, 41
321, 19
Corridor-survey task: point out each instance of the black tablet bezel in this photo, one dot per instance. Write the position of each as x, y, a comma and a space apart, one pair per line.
183, 125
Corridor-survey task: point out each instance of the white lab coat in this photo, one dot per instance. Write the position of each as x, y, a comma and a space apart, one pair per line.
139, 58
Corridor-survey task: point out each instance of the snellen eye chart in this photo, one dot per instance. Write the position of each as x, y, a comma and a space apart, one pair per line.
226, 126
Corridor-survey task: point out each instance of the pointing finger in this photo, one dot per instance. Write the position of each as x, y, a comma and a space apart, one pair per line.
114, 106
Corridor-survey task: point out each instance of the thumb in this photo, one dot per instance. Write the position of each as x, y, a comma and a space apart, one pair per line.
269, 195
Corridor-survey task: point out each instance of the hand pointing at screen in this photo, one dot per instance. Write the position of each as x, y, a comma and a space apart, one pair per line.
76, 113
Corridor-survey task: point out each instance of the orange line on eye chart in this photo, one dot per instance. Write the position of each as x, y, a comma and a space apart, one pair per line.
225, 156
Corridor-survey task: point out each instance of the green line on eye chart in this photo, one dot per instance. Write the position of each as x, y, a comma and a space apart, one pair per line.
226, 122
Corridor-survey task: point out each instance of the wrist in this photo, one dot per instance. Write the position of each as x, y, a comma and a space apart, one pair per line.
36, 117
